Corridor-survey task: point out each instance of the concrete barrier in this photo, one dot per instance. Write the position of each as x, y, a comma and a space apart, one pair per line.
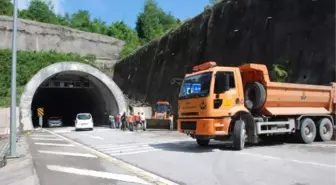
5, 120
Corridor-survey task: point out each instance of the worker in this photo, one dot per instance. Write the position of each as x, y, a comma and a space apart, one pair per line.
143, 121
131, 121
117, 120
137, 121
123, 122
112, 121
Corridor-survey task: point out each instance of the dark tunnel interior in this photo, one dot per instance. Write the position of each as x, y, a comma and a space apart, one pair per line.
68, 93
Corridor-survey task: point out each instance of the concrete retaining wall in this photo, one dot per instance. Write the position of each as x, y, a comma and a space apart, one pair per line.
36, 36
5, 120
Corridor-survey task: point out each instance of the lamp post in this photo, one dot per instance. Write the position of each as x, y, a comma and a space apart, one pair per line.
12, 141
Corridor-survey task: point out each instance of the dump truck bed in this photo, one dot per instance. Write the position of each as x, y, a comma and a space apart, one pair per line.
290, 98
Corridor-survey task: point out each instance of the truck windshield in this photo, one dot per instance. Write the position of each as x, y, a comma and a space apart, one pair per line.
160, 108
196, 86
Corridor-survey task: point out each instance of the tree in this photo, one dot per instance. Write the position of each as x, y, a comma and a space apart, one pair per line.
81, 20
64, 20
153, 22
6, 7
121, 31
40, 11
99, 26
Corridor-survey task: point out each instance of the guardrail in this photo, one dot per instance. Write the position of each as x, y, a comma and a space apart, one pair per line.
4, 145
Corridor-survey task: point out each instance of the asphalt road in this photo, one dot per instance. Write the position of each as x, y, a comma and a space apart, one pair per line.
178, 158
59, 162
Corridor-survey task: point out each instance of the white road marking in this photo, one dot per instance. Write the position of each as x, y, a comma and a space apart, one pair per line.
102, 146
291, 160
62, 131
106, 175
42, 135
155, 179
47, 139
134, 148
135, 152
53, 144
95, 137
67, 153
320, 145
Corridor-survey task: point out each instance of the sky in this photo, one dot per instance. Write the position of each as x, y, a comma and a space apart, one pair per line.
125, 10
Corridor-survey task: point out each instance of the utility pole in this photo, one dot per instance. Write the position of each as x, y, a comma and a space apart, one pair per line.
12, 141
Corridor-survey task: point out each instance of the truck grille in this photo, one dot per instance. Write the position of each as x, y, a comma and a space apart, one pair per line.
188, 125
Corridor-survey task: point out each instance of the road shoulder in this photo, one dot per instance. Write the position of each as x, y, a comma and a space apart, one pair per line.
20, 170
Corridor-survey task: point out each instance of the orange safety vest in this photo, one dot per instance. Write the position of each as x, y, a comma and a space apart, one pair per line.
130, 119
137, 118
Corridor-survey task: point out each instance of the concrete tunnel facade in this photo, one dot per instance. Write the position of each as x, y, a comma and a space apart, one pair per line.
102, 98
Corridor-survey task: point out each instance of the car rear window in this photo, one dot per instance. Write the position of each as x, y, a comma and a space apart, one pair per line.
83, 116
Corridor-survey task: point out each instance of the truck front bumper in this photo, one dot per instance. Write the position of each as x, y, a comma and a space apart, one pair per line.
204, 127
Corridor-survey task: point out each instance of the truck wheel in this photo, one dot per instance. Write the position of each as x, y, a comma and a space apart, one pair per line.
203, 142
255, 95
239, 133
324, 130
307, 132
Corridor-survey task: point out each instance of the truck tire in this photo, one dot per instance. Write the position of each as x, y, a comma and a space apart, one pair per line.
255, 95
203, 142
307, 132
324, 129
239, 133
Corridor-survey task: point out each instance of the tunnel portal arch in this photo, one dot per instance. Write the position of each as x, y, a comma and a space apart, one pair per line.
25, 107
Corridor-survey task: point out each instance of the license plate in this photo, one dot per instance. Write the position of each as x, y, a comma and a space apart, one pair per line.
84, 123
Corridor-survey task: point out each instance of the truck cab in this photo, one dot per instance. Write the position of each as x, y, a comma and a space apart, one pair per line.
162, 110
208, 100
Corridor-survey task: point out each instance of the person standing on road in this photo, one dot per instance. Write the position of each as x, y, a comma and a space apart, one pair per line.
137, 121
117, 120
131, 121
123, 121
143, 121
112, 121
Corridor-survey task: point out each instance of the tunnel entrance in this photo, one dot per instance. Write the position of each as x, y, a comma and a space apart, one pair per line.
66, 94
66, 89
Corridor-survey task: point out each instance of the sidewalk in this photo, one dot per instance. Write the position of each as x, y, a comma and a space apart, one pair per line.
20, 171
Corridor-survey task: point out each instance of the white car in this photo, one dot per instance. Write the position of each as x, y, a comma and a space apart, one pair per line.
84, 121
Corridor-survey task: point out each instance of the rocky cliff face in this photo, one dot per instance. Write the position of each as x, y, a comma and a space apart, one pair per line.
299, 35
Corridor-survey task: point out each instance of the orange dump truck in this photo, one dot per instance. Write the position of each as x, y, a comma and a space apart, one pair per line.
241, 104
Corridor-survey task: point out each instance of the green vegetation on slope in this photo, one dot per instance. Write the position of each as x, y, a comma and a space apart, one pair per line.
28, 64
